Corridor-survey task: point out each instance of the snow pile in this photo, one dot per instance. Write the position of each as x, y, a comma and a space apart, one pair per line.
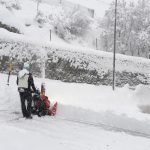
142, 96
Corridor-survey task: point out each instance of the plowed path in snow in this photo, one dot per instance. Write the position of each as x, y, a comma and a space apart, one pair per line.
73, 128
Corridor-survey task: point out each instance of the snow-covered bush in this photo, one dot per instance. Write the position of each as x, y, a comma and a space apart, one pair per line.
60, 22
68, 65
20, 52
68, 25
79, 23
40, 18
11, 4
9, 28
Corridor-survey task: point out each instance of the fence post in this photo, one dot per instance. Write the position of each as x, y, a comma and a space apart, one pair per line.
96, 44
50, 35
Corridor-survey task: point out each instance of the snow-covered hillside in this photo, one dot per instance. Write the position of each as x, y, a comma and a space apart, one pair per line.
35, 23
24, 19
86, 115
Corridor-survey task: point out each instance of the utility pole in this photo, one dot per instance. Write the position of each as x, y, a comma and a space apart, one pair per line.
114, 54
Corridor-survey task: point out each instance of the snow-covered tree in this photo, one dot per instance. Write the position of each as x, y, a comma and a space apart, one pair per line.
11, 4
40, 18
69, 25
133, 24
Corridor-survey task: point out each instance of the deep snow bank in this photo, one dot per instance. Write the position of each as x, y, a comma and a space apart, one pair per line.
71, 64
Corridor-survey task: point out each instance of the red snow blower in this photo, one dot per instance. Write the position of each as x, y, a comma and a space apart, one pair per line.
42, 105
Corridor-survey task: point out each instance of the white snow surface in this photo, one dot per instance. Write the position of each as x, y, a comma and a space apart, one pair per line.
89, 118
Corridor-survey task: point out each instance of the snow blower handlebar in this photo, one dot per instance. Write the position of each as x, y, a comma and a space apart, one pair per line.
10, 70
43, 88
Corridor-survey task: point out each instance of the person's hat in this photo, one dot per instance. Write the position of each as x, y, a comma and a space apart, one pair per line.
26, 65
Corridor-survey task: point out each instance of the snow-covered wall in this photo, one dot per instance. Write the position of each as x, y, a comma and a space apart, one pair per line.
70, 64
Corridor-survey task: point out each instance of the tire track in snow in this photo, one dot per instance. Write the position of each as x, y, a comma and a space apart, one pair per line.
99, 125
108, 127
17, 116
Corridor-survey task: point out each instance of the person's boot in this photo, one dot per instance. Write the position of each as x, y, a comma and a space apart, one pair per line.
29, 117
39, 113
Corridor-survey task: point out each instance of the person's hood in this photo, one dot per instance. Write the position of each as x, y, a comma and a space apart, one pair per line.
26, 66
22, 73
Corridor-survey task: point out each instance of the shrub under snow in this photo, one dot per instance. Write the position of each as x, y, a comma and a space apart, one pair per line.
11, 4
72, 24
70, 65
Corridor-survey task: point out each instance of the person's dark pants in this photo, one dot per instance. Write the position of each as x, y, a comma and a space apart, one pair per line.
26, 97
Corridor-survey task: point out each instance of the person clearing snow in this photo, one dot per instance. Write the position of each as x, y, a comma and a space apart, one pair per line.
41, 103
26, 85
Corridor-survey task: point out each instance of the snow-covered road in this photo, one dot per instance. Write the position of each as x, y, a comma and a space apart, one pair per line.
86, 120
57, 134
